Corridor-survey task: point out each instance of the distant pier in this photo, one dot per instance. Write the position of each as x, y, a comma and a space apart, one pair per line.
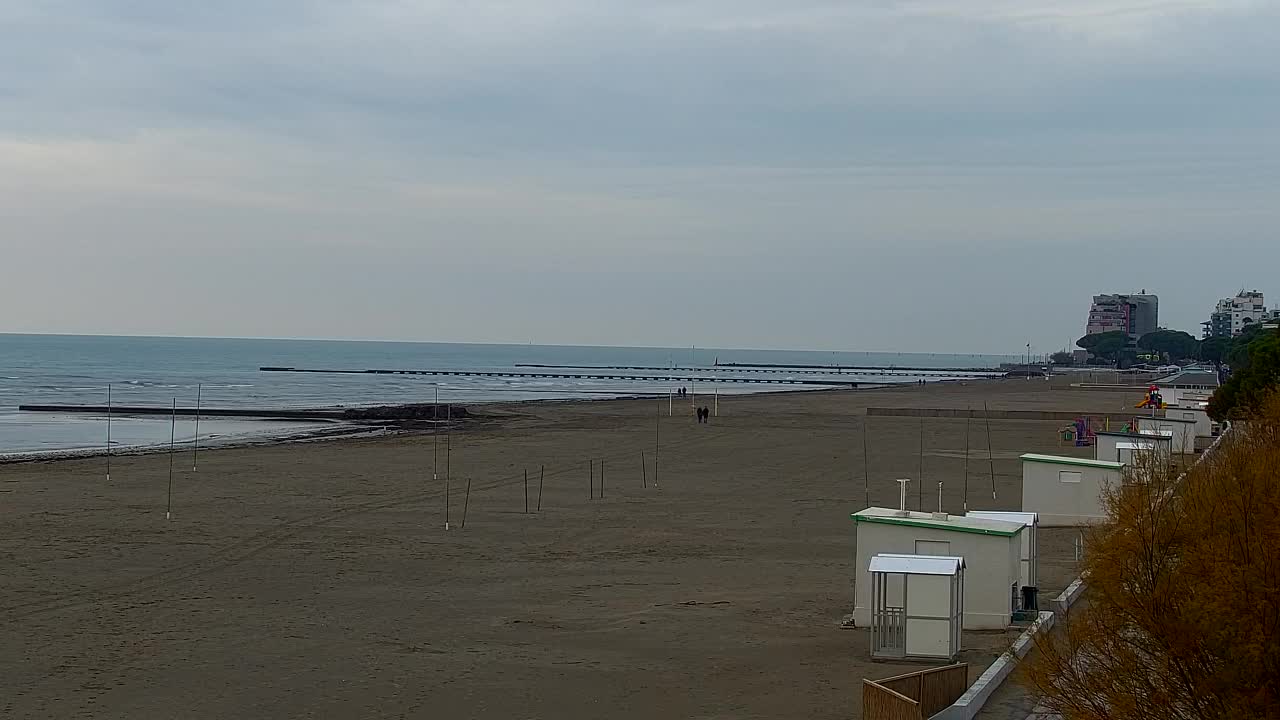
577, 376
272, 414
792, 369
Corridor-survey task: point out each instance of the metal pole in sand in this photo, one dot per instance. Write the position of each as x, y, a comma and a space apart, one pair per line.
644, 472
542, 474
990, 456
671, 394
108, 432
966, 462
920, 487
591, 479
602, 478
195, 448
657, 430
526, 494
466, 503
435, 438
173, 430
448, 464
866, 464
717, 402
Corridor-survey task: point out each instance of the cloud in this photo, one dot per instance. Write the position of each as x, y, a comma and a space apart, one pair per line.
634, 141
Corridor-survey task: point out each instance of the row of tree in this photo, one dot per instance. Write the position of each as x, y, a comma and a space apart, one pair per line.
1169, 345
1254, 359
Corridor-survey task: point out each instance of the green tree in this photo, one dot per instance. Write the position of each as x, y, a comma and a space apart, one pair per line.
1215, 349
1238, 354
1174, 344
1105, 345
1062, 357
1253, 376
1182, 618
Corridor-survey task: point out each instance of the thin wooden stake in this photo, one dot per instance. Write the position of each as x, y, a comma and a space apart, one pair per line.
866, 464
108, 432
526, 492
966, 462
591, 479
466, 503
602, 478
542, 474
657, 430
920, 485
990, 455
173, 431
644, 472
448, 462
195, 448
435, 438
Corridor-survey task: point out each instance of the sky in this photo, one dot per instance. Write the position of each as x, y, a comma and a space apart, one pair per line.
917, 176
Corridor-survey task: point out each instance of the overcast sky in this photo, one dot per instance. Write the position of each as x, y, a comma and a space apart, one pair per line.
931, 175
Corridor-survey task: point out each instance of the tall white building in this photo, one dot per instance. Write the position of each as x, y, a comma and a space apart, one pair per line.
1232, 315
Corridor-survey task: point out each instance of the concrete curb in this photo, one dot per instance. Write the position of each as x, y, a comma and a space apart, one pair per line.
973, 700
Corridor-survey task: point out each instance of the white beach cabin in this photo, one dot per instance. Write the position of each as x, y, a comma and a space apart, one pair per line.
1067, 491
992, 552
1181, 432
1198, 415
1029, 561
1128, 448
917, 607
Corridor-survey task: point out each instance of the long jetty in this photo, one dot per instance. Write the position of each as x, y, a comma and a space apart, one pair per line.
575, 376
789, 369
274, 414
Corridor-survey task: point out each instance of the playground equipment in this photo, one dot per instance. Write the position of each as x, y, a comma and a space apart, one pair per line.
1153, 399
1080, 432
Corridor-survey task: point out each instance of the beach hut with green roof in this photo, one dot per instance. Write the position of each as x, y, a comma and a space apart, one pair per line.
1067, 491
992, 552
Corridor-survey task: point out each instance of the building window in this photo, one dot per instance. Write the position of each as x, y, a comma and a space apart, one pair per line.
1069, 476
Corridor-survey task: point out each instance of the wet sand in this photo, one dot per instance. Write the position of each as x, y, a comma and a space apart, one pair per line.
317, 580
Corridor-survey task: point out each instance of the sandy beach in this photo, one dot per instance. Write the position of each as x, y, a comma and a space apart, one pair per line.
317, 579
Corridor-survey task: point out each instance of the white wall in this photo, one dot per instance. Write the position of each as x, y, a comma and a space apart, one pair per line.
1183, 434
1106, 447
1204, 425
1061, 503
929, 595
992, 569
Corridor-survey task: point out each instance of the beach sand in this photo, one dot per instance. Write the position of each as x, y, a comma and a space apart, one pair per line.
317, 579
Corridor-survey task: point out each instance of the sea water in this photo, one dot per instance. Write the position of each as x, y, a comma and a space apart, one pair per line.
155, 371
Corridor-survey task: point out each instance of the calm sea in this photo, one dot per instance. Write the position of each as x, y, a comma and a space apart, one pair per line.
76, 370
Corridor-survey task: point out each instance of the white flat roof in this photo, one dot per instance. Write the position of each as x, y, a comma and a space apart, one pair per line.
956, 523
1028, 519
1139, 445
916, 564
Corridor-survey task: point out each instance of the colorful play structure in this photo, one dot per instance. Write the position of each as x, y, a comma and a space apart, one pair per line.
1153, 399
1081, 432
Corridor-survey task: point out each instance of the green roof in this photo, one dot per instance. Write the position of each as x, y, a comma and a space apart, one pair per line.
955, 523
1083, 462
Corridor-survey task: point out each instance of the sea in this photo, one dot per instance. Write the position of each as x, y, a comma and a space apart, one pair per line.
226, 373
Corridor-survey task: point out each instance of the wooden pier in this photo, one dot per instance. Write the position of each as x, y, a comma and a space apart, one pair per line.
578, 376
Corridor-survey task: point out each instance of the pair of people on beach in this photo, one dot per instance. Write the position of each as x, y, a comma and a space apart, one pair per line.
682, 393
704, 415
